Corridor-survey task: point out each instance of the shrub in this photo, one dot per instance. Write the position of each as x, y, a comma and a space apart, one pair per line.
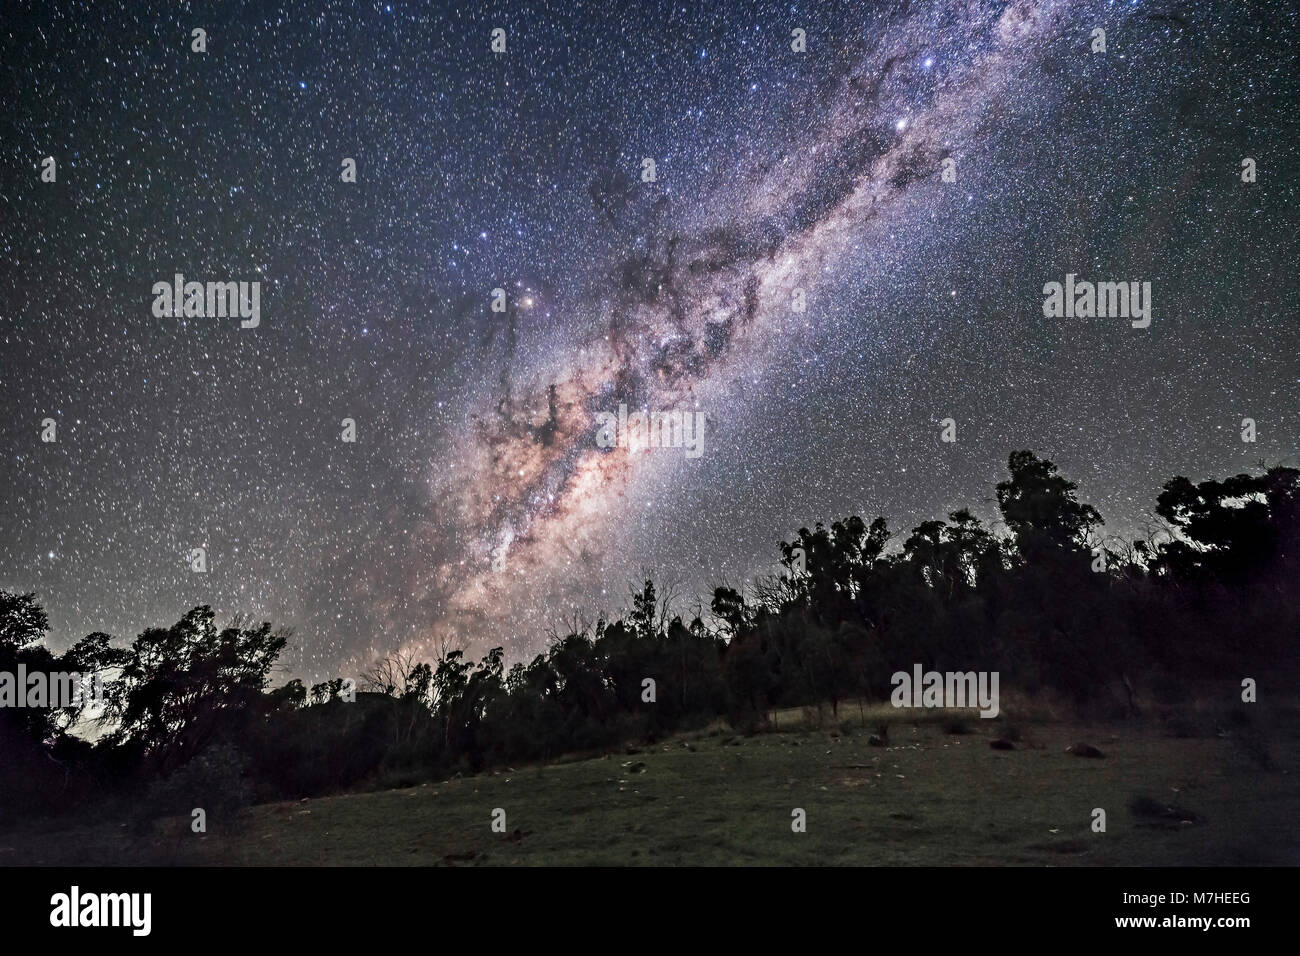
213, 781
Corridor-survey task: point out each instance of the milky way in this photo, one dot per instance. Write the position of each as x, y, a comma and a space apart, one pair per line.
686, 305
476, 506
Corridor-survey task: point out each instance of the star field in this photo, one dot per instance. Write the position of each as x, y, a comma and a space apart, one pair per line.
522, 170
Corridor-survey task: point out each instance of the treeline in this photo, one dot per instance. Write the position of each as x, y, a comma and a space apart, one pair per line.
189, 718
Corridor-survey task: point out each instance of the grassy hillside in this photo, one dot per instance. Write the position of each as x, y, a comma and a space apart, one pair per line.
932, 796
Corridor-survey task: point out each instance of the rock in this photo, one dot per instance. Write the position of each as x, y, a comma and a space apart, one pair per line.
1002, 744
1084, 750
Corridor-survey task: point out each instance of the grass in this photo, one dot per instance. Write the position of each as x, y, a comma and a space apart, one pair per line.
714, 797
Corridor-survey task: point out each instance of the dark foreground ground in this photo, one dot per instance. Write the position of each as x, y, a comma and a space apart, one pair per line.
932, 796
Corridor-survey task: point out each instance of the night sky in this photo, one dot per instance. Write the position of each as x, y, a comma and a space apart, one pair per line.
475, 506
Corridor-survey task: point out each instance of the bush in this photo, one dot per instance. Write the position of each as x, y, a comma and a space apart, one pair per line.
213, 781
